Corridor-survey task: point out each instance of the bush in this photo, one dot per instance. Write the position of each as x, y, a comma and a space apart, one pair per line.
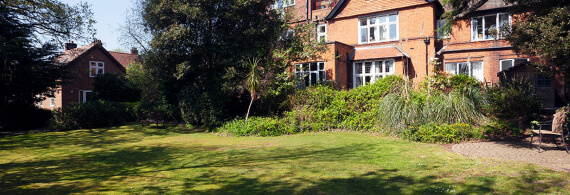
257, 126
442, 133
406, 107
513, 100
26, 117
92, 114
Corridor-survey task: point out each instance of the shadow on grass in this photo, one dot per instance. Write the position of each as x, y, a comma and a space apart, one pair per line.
213, 166
94, 138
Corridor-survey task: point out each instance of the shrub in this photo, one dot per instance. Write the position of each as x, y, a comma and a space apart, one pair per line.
92, 114
25, 117
406, 107
513, 100
257, 126
442, 133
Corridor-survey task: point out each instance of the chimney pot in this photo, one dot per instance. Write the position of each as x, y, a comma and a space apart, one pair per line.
70, 45
134, 50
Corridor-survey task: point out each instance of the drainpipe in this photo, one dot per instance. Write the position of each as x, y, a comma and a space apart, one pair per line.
426, 41
307, 10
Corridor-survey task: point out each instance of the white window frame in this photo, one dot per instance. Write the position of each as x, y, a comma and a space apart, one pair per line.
469, 72
303, 70
52, 102
439, 30
512, 62
377, 24
83, 95
474, 36
374, 75
39, 104
96, 65
283, 3
322, 36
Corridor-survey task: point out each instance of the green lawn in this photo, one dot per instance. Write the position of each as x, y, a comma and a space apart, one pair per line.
131, 159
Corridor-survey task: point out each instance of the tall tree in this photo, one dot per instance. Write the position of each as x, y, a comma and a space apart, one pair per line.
26, 65
198, 46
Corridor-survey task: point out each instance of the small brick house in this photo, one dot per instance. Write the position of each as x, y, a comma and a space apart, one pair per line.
86, 62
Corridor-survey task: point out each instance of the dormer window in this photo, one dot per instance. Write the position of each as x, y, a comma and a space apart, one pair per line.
489, 27
96, 68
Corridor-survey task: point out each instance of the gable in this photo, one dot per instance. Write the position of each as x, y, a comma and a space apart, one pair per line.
348, 8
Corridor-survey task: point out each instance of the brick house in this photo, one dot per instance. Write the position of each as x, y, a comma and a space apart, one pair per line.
369, 39
85, 62
477, 49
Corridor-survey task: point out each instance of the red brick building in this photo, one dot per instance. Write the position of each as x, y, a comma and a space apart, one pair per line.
369, 39
85, 62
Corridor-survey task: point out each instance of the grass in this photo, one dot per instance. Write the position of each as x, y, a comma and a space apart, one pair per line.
135, 160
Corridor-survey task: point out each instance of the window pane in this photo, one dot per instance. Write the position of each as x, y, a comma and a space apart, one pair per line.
378, 67
307, 80
314, 78
93, 64
358, 68
462, 68
506, 64
382, 33
100, 64
367, 80
451, 68
520, 61
363, 22
372, 20
298, 67
363, 35
490, 26
88, 95
367, 67
93, 71
504, 24
322, 29
390, 66
372, 33
393, 18
477, 70
358, 81
393, 31
321, 66
314, 67
382, 19
322, 76
476, 28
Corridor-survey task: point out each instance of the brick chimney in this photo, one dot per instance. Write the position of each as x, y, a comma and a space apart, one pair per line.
70, 45
134, 50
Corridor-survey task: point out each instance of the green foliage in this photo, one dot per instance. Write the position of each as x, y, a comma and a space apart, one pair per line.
446, 82
92, 114
321, 108
499, 129
405, 107
513, 100
116, 88
442, 133
27, 68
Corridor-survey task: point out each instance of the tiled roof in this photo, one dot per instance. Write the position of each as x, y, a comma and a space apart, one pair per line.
378, 52
70, 55
359, 7
124, 58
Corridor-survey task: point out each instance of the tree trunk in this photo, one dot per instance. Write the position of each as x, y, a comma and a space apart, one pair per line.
248, 109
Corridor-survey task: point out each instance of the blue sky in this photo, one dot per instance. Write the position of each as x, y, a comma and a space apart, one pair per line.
110, 15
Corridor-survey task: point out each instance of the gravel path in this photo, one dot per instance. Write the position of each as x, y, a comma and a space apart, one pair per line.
550, 156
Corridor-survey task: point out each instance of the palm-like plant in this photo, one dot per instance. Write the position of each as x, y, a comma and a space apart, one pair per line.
252, 81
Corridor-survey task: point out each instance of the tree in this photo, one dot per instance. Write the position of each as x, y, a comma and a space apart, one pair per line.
198, 46
252, 82
116, 88
542, 29
27, 69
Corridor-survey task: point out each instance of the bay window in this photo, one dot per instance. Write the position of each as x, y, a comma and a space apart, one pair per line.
366, 73
378, 28
308, 74
473, 69
490, 26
